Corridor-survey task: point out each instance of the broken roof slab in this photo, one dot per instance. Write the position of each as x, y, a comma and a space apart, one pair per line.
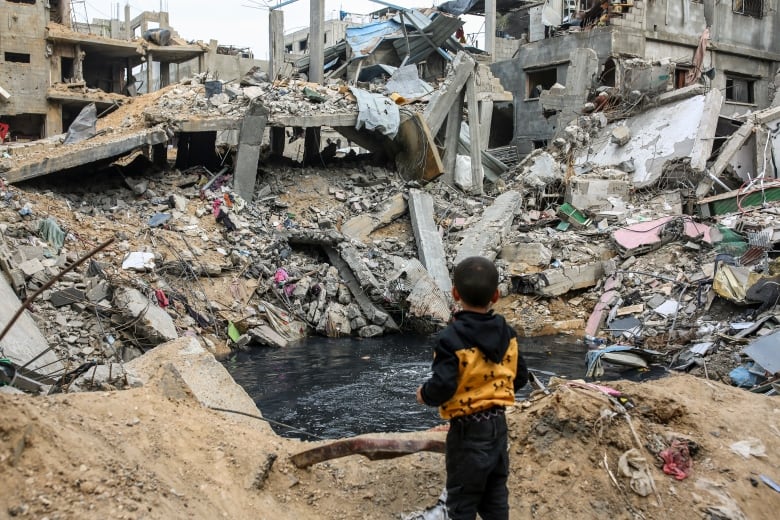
684, 129
71, 156
24, 341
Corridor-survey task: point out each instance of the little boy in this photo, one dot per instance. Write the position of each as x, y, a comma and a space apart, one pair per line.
477, 368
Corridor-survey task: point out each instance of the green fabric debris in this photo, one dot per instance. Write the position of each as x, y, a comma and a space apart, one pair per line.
731, 243
233, 332
51, 232
313, 95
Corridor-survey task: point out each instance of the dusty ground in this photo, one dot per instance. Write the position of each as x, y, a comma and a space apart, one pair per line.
155, 453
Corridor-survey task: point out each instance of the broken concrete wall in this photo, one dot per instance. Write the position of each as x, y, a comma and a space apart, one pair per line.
24, 66
684, 21
186, 360
24, 341
530, 124
658, 136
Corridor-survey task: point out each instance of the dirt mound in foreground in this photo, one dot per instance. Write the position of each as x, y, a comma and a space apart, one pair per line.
156, 453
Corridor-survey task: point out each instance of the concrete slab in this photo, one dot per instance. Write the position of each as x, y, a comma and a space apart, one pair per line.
670, 132
363, 225
87, 152
208, 380
24, 340
485, 237
429, 244
151, 320
438, 108
249, 142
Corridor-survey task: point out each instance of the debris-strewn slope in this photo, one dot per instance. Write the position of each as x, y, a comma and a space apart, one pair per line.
154, 453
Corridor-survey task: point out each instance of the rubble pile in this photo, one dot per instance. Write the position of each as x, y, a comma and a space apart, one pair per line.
282, 98
603, 233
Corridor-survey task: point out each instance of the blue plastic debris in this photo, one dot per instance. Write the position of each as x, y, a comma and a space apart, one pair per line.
159, 219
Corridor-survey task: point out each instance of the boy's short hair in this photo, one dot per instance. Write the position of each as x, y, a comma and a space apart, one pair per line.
476, 279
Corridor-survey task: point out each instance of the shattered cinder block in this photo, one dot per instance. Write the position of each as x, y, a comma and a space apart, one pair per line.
593, 194
535, 254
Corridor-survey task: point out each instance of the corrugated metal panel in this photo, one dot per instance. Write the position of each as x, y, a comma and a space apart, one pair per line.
439, 31
364, 39
331, 53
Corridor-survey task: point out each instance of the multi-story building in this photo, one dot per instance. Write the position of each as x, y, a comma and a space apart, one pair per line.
51, 67
741, 59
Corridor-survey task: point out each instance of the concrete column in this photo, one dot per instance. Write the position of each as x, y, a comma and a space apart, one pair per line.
275, 42
128, 29
78, 64
64, 10
475, 136
165, 74
490, 28
249, 141
316, 45
149, 72
53, 119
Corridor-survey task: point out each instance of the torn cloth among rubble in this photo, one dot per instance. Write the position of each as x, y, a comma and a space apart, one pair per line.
677, 459
376, 112
51, 232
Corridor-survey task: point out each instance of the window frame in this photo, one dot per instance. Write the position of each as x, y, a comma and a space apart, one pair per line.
756, 8
750, 84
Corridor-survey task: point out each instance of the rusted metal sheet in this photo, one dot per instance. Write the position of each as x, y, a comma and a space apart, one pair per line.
373, 449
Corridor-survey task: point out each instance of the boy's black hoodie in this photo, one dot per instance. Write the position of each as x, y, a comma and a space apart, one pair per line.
477, 365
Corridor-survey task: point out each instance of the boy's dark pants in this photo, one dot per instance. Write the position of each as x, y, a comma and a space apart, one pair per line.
477, 469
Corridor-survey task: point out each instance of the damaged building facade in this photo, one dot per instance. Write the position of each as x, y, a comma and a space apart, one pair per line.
740, 58
51, 67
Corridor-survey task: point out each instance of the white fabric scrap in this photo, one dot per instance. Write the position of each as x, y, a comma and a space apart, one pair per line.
376, 112
139, 261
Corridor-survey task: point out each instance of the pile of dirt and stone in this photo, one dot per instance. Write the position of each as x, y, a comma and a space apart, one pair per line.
155, 452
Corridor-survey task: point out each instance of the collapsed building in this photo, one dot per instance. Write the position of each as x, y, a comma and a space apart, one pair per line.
52, 65
638, 208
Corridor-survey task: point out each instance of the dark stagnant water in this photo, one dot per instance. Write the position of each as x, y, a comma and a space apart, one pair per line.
336, 388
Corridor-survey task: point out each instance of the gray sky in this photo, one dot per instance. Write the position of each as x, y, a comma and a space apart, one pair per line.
236, 22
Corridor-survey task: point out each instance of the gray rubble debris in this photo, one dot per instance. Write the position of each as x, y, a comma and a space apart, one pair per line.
150, 321
486, 236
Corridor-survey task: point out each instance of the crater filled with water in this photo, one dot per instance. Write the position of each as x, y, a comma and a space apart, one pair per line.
342, 387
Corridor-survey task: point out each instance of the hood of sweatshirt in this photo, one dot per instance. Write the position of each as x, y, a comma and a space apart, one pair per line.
489, 332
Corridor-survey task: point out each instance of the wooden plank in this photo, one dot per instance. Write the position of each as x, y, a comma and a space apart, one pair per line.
374, 449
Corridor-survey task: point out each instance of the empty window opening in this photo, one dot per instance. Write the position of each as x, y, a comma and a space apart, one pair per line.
502, 125
539, 80
740, 89
24, 127
754, 8
17, 57
609, 74
66, 68
303, 45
